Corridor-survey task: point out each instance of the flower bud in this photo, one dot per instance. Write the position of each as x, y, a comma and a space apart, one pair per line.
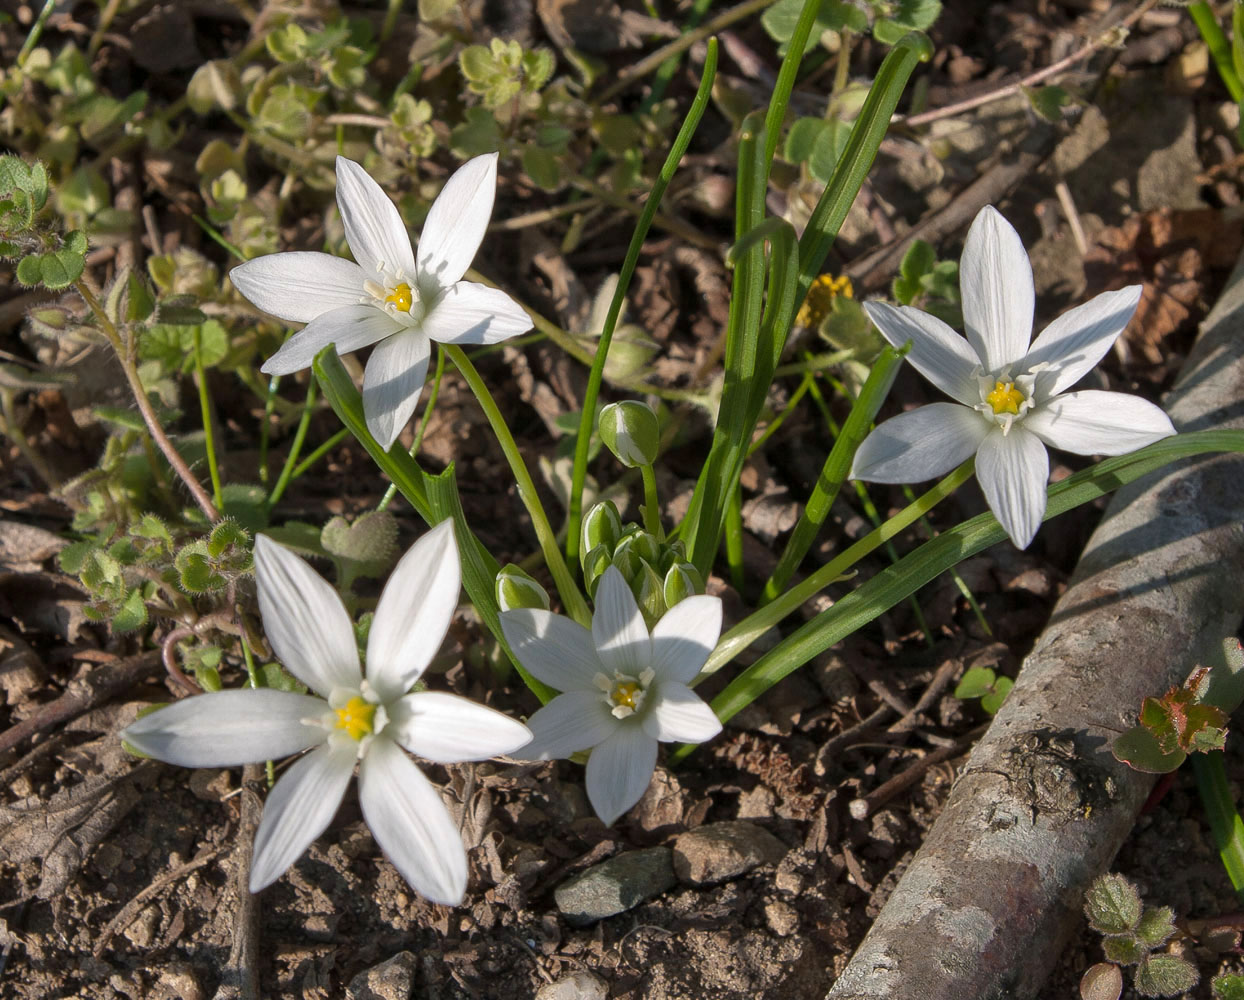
682, 581
649, 595
626, 559
515, 588
646, 547
594, 564
630, 430
602, 525
672, 552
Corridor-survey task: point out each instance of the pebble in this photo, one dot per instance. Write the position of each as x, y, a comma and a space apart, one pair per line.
177, 982
210, 784
392, 979
782, 918
722, 851
581, 985
616, 885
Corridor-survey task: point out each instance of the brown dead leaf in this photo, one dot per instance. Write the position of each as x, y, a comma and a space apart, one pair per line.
1172, 253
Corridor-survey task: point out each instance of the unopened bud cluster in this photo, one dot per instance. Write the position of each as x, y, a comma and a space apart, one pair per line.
658, 573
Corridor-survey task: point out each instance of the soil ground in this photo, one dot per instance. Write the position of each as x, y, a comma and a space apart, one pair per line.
117, 877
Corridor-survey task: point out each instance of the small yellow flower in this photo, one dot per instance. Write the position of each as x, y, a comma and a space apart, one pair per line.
821, 297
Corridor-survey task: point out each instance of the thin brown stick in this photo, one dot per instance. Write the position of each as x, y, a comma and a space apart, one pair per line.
131, 909
1103, 39
654, 59
864, 807
95, 688
145, 408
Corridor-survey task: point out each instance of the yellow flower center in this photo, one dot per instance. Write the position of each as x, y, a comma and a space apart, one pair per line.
401, 297
626, 694
1005, 398
356, 717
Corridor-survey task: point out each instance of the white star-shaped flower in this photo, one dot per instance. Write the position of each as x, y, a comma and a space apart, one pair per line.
1010, 399
623, 689
392, 298
352, 717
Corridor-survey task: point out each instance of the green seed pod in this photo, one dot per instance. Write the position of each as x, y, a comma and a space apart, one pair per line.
516, 588
594, 564
682, 581
602, 525
630, 430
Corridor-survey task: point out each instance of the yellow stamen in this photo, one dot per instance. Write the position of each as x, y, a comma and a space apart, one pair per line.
820, 299
356, 718
401, 297
1005, 398
625, 694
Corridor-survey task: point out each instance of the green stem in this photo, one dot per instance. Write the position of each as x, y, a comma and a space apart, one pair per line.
320, 452
734, 538
836, 468
265, 430
433, 393
1219, 48
36, 31
572, 599
652, 508
755, 625
205, 409
574, 513
1224, 820
287, 470
171, 454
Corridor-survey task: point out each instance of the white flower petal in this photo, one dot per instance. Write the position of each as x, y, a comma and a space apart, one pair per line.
552, 648
937, 352
1099, 423
471, 313
1079, 338
411, 824
1013, 470
299, 808
414, 612
456, 222
685, 636
374, 229
305, 621
995, 285
920, 444
576, 720
618, 628
349, 328
680, 714
619, 771
392, 382
227, 728
447, 729
299, 286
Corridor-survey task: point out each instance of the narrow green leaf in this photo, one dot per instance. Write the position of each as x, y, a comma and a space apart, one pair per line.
592, 392
434, 498
937, 555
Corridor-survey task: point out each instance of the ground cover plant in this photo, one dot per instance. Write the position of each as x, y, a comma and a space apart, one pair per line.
570, 460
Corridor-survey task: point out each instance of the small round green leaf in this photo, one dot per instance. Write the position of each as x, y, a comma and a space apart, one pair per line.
1165, 976
1112, 904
